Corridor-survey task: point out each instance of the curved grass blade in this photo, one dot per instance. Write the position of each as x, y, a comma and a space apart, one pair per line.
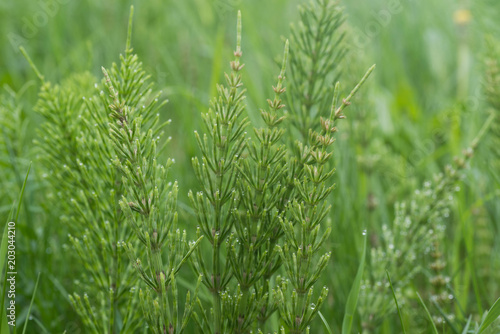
328, 329
434, 329
352, 300
446, 318
467, 325
41, 327
492, 315
31, 304
396, 301
20, 200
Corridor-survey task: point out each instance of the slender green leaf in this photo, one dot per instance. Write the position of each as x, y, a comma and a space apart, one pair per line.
41, 327
327, 326
467, 325
446, 318
352, 300
434, 329
20, 199
31, 304
396, 301
492, 315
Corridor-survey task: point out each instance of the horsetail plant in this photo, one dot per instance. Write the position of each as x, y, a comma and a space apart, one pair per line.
315, 56
261, 198
253, 256
418, 228
304, 206
304, 217
441, 295
149, 201
100, 206
412, 233
76, 153
221, 148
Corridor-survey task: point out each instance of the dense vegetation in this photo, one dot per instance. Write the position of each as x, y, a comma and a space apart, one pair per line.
224, 166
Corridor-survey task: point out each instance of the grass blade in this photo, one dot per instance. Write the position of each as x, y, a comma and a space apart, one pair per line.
434, 329
396, 301
31, 304
20, 200
467, 325
352, 300
492, 315
328, 329
41, 326
446, 318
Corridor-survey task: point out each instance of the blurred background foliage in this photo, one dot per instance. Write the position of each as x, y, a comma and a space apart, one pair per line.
424, 104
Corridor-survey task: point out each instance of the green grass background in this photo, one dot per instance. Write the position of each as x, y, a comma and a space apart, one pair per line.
423, 106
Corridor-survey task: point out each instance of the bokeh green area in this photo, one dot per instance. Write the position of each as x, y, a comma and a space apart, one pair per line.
422, 106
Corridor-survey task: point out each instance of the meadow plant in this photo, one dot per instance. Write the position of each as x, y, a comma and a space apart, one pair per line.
317, 51
222, 147
265, 203
307, 210
419, 228
400, 247
77, 153
149, 200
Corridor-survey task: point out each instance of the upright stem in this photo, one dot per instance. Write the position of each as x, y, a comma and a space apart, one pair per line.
114, 265
216, 252
157, 263
216, 290
219, 197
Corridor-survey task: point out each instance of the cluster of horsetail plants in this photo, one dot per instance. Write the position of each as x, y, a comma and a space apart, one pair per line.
261, 206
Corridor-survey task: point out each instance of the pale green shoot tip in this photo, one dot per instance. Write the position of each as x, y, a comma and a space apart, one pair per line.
128, 48
238, 34
285, 58
32, 64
